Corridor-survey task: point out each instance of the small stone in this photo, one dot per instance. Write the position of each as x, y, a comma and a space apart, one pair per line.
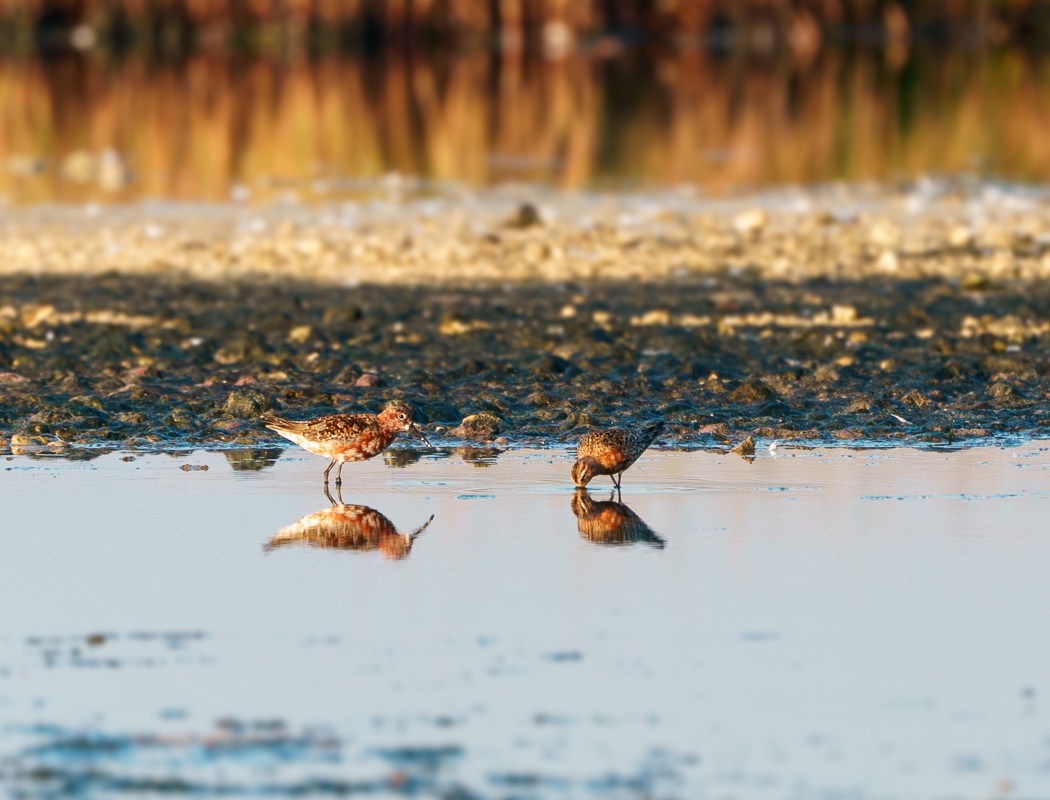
960, 237
717, 429
194, 467
654, 317
750, 393
527, 216
843, 315
749, 223
746, 447
246, 404
888, 261
88, 401
916, 399
885, 234
369, 380
483, 425
975, 282
501, 440
442, 412
299, 334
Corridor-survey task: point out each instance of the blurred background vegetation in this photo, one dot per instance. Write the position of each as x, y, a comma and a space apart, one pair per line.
551, 24
213, 99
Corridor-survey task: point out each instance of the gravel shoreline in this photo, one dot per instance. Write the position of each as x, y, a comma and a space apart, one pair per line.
854, 315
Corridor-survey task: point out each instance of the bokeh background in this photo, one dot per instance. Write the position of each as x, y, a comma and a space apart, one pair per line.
114, 100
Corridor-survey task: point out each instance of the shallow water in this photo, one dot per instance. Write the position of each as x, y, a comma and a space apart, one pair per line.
825, 623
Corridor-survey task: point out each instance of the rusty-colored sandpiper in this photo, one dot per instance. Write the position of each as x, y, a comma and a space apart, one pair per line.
612, 451
347, 437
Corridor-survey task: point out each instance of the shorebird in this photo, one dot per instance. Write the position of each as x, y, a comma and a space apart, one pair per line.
610, 522
347, 437
344, 527
612, 451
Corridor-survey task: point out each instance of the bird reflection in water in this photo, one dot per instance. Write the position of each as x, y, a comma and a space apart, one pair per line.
611, 522
346, 527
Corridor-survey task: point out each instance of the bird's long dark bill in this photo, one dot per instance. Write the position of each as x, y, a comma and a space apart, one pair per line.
419, 433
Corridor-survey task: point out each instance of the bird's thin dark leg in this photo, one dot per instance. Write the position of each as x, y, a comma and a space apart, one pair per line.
327, 471
339, 492
339, 475
329, 496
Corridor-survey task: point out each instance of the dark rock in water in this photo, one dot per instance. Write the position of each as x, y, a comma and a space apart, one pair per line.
182, 419
775, 409
246, 404
718, 429
483, 425
340, 318
442, 412
88, 401
241, 350
346, 377
542, 400
663, 365
750, 392
577, 420
369, 379
527, 216
1007, 396
551, 365
916, 399
745, 448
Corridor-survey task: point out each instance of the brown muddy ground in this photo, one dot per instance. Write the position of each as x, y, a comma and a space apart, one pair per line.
853, 319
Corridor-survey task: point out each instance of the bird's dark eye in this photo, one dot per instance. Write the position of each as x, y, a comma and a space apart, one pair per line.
401, 416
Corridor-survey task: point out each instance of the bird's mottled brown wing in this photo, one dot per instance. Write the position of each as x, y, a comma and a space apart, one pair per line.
336, 427
609, 448
593, 444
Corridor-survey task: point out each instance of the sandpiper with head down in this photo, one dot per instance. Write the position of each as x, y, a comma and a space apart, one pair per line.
347, 437
612, 451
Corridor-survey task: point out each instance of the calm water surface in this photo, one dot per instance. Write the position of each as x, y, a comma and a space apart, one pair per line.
825, 623
83, 127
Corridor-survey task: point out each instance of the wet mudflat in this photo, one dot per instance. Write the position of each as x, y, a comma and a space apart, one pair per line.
913, 312
831, 622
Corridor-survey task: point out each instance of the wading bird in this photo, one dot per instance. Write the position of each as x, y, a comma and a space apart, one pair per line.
347, 437
612, 451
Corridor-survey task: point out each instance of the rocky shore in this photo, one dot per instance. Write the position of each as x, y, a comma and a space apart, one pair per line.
919, 313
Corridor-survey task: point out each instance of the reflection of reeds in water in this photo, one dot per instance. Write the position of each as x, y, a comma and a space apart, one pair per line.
610, 522
456, 20
196, 130
347, 527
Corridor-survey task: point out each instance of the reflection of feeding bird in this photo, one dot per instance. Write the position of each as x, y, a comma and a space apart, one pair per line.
347, 437
611, 522
344, 527
612, 451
